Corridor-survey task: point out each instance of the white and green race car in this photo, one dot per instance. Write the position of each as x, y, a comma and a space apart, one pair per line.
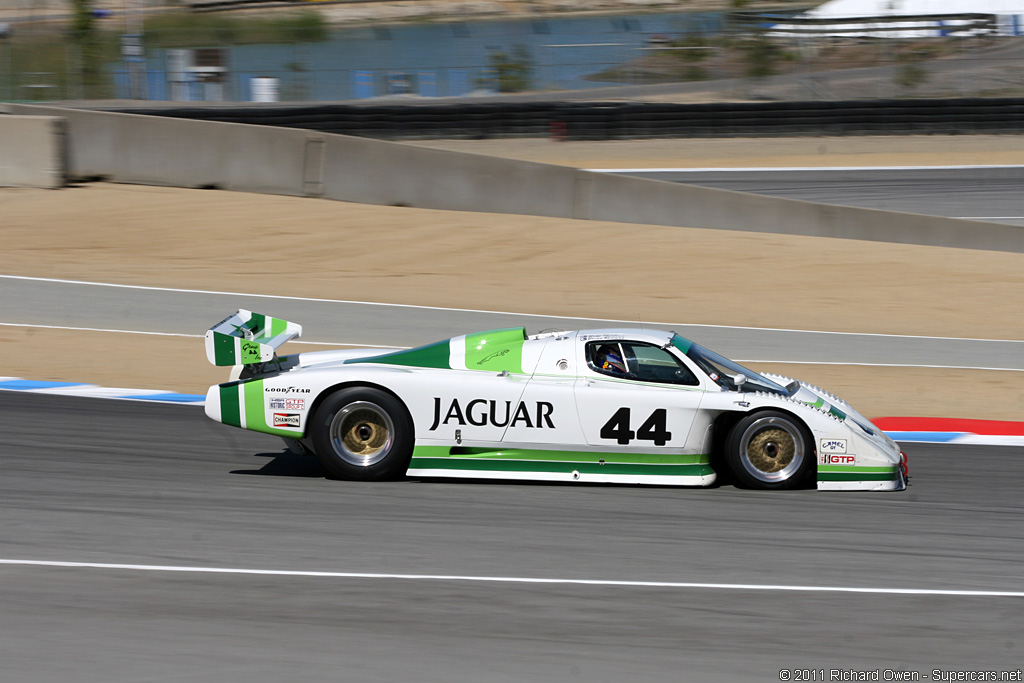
624, 406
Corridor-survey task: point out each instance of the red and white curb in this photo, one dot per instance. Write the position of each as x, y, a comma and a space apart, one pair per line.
952, 430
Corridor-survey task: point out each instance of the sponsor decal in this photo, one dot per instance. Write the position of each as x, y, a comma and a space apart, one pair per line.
286, 419
287, 404
599, 337
837, 459
250, 352
480, 412
833, 445
490, 357
285, 390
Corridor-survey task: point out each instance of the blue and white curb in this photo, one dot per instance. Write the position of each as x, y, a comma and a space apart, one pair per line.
96, 391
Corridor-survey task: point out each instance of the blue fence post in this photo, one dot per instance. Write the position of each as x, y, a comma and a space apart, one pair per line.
427, 83
122, 85
156, 84
458, 82
362, 84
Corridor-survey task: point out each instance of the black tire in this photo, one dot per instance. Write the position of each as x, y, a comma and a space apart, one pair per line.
770, 450
363, 434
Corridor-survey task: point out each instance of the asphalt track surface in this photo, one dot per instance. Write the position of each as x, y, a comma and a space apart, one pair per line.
72, 304
991, 194
145, 485
116, 482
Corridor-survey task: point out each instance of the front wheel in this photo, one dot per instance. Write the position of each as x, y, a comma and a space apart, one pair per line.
364, 434
769, 450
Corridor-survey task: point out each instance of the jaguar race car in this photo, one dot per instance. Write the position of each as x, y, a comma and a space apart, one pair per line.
616, 405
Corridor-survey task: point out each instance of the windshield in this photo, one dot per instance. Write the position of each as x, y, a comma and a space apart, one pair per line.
722, 370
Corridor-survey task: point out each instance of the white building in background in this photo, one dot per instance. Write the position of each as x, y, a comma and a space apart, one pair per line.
912, 22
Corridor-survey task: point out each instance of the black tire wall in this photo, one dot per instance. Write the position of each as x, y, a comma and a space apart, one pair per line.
618, 120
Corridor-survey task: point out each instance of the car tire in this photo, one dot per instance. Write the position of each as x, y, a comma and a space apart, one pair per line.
770, 450
363, 434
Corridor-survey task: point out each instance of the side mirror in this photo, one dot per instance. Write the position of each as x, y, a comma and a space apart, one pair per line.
739, 381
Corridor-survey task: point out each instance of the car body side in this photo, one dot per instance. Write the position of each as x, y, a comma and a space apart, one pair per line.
498, 404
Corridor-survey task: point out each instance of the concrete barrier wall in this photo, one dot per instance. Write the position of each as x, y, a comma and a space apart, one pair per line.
149, 151
186, 153
32, 151
637, 200
376, 172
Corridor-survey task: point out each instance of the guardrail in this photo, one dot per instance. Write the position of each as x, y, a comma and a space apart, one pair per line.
617, 120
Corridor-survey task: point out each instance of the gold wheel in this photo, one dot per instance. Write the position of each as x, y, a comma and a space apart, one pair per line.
771, 450
362, 433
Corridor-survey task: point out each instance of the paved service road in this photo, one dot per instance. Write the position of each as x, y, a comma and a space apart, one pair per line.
89, 480
41, 302
989, 194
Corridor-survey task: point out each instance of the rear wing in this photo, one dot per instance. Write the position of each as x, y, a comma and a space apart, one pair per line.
244, 338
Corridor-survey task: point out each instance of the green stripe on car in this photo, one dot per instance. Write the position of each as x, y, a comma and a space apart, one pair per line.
489, 465
229, 407
434, 355
848, 473
537, 454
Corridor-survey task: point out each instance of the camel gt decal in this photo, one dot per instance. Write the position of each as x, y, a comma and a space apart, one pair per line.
480, 412
833, 445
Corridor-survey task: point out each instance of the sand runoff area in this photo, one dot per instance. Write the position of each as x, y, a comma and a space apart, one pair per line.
263, 244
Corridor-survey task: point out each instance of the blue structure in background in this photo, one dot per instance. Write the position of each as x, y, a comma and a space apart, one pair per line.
436, 60
362, 85
458, 82
427, 83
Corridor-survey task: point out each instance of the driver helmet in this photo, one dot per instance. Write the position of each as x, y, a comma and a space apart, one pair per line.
609, 358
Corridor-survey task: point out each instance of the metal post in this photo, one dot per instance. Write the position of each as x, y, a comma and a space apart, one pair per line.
133, 51
5, 39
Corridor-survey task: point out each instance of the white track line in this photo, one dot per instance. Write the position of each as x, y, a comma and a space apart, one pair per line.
397, 348
510, 579
192, 336
879, 365
783, 169
477, 310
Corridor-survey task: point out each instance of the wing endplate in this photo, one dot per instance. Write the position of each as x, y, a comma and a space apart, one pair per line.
244, 338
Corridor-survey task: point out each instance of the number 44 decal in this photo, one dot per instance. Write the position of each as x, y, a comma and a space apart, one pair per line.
653, 429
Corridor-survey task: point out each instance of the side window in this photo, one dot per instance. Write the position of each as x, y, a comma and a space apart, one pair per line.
638, 361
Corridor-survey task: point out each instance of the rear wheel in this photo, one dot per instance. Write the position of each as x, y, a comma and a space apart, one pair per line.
363, 433
769, 450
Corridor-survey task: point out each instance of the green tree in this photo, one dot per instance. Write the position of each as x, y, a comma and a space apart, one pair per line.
514, 72
910, 75
83, 23
89, 46
762, 55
